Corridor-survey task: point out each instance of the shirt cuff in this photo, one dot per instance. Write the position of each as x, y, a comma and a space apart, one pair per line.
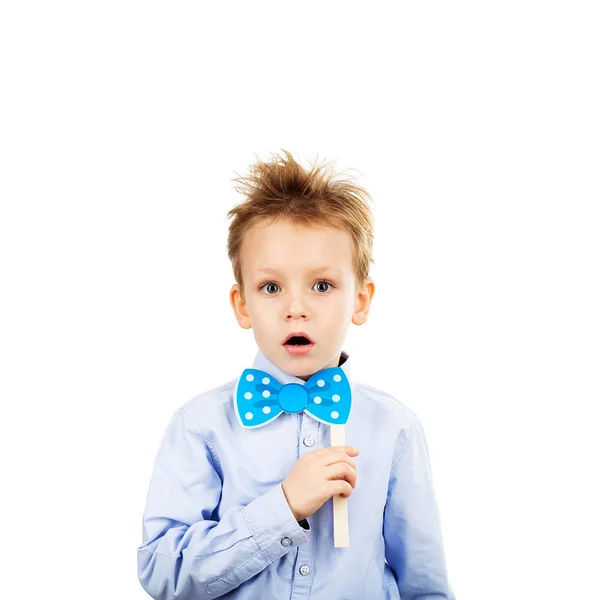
304, 524
272, 523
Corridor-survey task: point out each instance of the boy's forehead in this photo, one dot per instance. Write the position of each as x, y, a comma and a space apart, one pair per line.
269, 237
309, 271
272, 249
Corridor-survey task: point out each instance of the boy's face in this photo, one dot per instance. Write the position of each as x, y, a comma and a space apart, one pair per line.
299, 279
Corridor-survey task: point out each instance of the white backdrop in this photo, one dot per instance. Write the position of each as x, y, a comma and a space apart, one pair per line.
475, 127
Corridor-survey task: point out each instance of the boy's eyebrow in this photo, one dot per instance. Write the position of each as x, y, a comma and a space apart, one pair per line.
311, 272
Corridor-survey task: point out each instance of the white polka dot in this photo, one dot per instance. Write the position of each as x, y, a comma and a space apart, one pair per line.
317, 400
337, 377
335, 398
248, 395
249, 416
320, 383
266, 380
266, 409
335, 415
250, 377
266, 393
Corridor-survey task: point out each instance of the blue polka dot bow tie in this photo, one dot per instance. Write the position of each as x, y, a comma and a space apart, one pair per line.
259, 398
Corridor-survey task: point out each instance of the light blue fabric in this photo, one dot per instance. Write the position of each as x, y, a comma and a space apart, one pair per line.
217, 524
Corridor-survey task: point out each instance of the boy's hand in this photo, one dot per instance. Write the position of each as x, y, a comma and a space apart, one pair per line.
319, 475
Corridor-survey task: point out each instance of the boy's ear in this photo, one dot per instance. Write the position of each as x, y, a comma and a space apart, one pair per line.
363, 302
239, 306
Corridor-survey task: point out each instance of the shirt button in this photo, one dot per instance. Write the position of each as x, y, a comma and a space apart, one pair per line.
305, 569
308, 441
286, 541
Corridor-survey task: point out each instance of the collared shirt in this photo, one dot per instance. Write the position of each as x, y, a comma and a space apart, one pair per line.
217, 523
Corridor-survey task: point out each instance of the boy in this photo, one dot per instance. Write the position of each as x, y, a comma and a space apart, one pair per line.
240, 501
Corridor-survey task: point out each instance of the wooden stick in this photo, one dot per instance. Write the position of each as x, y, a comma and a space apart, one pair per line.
341, 536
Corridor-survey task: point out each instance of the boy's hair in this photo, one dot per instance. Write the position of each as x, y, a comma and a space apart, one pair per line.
283, 189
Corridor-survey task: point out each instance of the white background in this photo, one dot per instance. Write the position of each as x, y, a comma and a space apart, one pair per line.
476, 128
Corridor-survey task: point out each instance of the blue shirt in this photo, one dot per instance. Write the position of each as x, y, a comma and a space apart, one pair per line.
217, 524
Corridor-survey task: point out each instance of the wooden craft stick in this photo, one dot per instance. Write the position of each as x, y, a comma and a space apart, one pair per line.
341, 537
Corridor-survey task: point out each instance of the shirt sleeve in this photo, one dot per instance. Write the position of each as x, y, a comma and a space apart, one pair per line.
186, 553
411, 528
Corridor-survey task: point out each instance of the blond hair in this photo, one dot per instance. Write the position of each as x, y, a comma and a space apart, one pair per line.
319, 197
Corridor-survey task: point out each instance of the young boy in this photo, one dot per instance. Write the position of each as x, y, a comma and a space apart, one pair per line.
240, 500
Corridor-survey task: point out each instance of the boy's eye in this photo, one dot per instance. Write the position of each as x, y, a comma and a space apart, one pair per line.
270, 288
321, 283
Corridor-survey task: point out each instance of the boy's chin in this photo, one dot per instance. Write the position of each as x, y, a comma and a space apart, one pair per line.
299, 365
303, 367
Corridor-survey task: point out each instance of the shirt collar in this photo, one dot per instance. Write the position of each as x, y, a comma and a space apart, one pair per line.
264, 364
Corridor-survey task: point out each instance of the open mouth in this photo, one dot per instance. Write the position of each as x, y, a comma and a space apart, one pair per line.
298, 344
298, 340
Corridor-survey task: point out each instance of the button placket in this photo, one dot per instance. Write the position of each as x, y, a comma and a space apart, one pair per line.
308, 442
309, 433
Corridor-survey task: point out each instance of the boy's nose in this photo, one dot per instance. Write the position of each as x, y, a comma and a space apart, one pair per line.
297, 309
299, 314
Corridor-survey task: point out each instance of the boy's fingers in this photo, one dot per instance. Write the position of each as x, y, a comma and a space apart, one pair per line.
346, 449
336, 457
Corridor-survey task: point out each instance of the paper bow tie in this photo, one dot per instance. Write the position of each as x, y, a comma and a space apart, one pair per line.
259, 398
